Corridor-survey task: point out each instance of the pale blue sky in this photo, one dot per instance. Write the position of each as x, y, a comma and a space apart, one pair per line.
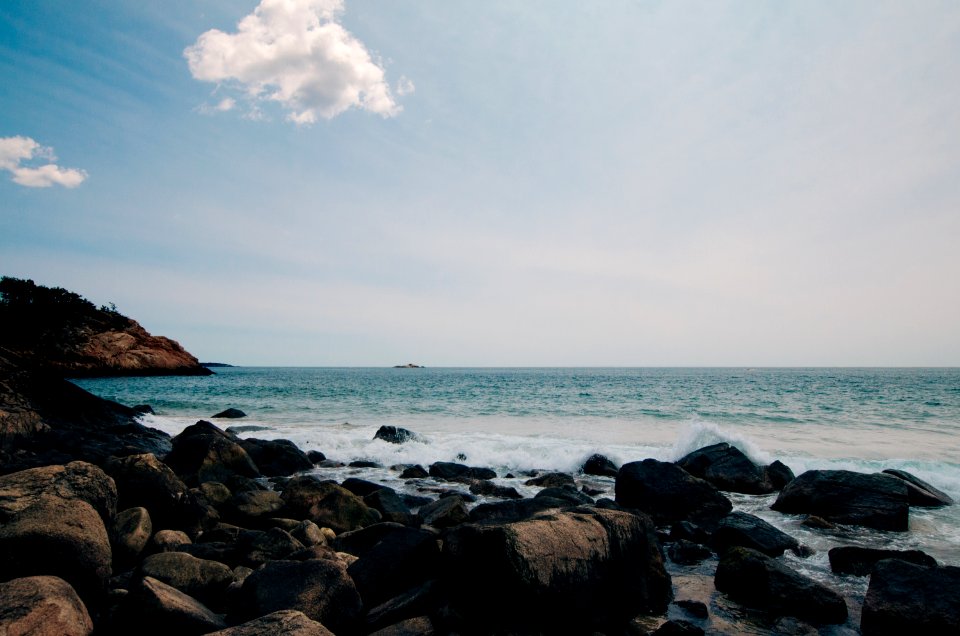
494, 183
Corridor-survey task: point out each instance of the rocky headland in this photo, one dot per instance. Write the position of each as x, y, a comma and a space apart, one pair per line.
107, 527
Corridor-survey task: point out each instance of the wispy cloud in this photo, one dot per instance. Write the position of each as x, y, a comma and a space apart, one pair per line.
14, 151
297, 54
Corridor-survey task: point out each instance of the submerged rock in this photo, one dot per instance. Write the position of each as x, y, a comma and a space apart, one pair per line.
904, 598
756, 580
394, 434
599, 465
230, 414
451, 471
841, 496
669, 494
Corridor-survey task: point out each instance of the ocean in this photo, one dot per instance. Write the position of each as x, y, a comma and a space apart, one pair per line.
516, 420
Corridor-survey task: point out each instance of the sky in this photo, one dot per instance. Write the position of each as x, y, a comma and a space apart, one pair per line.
498, 183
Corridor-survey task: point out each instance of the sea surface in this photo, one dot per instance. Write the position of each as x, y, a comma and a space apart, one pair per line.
521, 419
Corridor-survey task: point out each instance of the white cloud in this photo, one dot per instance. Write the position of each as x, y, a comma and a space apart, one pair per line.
296, 53
15, 150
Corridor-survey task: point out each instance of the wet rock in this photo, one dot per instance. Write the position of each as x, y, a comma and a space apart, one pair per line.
688, 553
669, 494
599, 465
694, 608
456, 472
841, 496
364, 463
130, 533
690, 532
230, 414
283, 622
921, 493
904, 598
327, 504
779, 474
361, 487
790, 626
551, 480
391, 561
445, 512
392, 507
157, 608
490, 489
319, 588
756, 580
813, 521
277, 457
203, 452
727, 468
316, 456
678, 628
202, 579
516, 510
414, 472
743, 529
570, 572
860, 561
567, 493
394, 434
42, 606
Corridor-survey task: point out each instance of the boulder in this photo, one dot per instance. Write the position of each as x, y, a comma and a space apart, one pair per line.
569, 572
215, 493
392, 560
565, 493
414, 472
905, 598
859, 561
280, 623
921, 493
451, 471
78, 481
516, 510
207, 581
445, 512
194, 514
413, 603
417, 626
394, 434
154, 607
130, 533
678, 627
756, 580
255, 547
697, 609
599, 465
42, 606
551, 480
743, 529
391, 506
490, 489
842, 496
168, 540
326, 504
319, 588
308, 533
230, 414
316, 456
779, 474
727, 468
688, 553
253, 508
361, 487
277, 457
144, 481
202, 452
669, 494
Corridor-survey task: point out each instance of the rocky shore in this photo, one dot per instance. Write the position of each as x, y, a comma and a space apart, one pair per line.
109, 527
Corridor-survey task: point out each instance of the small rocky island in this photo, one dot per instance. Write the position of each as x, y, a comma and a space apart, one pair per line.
408, 365
108, 527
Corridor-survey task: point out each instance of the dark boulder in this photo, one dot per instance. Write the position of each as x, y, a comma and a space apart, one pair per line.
154, 607
230, 414
566, 573
394, 434
669, 494
490, 489
416, 626
921, 493
144, 481
202, 452
364, 463
320, 588
451, 471
859, 561
500, 512
253, 508
360, 487
599, 465
743, 529
129, 534
842, 496
678, 628
551, 480
413, 603
445, 512
727, 468
759, 581
688, 553
905, 598
326, 504
316, 456
414, 472
42, 606
205, 580
697, 609
280, 623
276, 457
779, 474
565, 493
392, 559
392, 507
